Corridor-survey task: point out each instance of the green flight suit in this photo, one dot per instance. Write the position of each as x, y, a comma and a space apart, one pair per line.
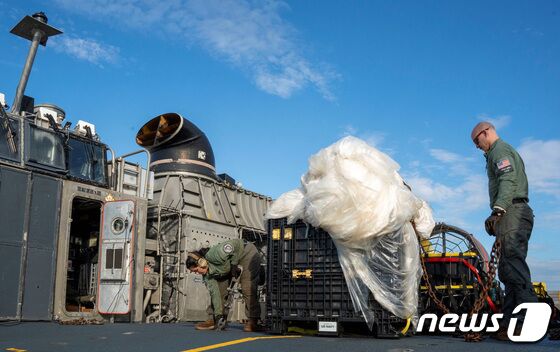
508, 190
220, 259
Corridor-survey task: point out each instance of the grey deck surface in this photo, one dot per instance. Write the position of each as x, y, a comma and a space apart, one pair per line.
48, 336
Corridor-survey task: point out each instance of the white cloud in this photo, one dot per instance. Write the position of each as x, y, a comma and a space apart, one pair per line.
89, 50
441, 196
551, 218
542, 164
456, 200
451, 162
415, 164
10, 15
350, 130
470, 195
373, 138
529, 31
444, 155
499, 121
545, 270
251, 35
475, 193
430, 190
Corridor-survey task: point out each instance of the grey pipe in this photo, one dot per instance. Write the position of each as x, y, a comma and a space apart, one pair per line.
37, 36
112, 181
147, 299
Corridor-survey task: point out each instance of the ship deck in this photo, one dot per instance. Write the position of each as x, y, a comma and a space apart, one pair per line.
50, 336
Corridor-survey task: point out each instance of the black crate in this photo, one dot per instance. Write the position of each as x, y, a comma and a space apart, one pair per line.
305, 282
454, 269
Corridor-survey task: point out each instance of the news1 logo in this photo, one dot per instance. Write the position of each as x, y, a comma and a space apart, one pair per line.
534, 327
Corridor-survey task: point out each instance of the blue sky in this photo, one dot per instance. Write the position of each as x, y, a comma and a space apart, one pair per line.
272, 82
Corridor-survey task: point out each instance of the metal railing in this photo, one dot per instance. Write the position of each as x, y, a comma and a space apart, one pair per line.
118, 173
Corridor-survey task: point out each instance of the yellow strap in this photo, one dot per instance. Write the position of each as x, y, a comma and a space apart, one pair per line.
235, 342
403, 331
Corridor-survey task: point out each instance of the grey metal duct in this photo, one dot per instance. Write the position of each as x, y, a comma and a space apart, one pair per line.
176, 144
36, 29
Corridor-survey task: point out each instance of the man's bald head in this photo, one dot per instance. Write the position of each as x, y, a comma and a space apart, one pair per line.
484, 135
481, 126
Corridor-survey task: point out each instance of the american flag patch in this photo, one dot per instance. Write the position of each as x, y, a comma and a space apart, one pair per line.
502, 164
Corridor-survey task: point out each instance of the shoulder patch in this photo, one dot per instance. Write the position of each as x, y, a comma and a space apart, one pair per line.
228, 248
504, 166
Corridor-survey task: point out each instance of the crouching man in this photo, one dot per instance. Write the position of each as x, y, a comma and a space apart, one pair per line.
221, 263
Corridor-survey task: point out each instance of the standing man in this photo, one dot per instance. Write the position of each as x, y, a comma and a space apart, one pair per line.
223, 261
511, 220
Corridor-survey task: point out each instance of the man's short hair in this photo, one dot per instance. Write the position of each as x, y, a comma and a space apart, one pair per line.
481, 126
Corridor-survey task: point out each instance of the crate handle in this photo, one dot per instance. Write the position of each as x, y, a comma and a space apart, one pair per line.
307, 273
288, 233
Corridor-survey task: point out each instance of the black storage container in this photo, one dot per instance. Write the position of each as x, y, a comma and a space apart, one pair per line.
306, 285
453, 268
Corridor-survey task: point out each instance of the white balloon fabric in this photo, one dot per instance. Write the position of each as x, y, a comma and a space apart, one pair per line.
289, 204
354, 192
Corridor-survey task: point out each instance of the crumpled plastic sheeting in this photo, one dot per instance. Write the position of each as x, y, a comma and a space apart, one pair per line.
424, 221
354, 192
289, 204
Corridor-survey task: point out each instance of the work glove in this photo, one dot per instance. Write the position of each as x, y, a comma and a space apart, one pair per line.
492, 220
235, 271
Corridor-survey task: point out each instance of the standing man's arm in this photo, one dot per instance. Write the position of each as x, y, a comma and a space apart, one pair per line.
503, 167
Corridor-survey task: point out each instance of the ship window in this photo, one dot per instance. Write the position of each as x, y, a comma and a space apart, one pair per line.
118, 258
87, 161
113, 258
109, 259
46, 148
118, 226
